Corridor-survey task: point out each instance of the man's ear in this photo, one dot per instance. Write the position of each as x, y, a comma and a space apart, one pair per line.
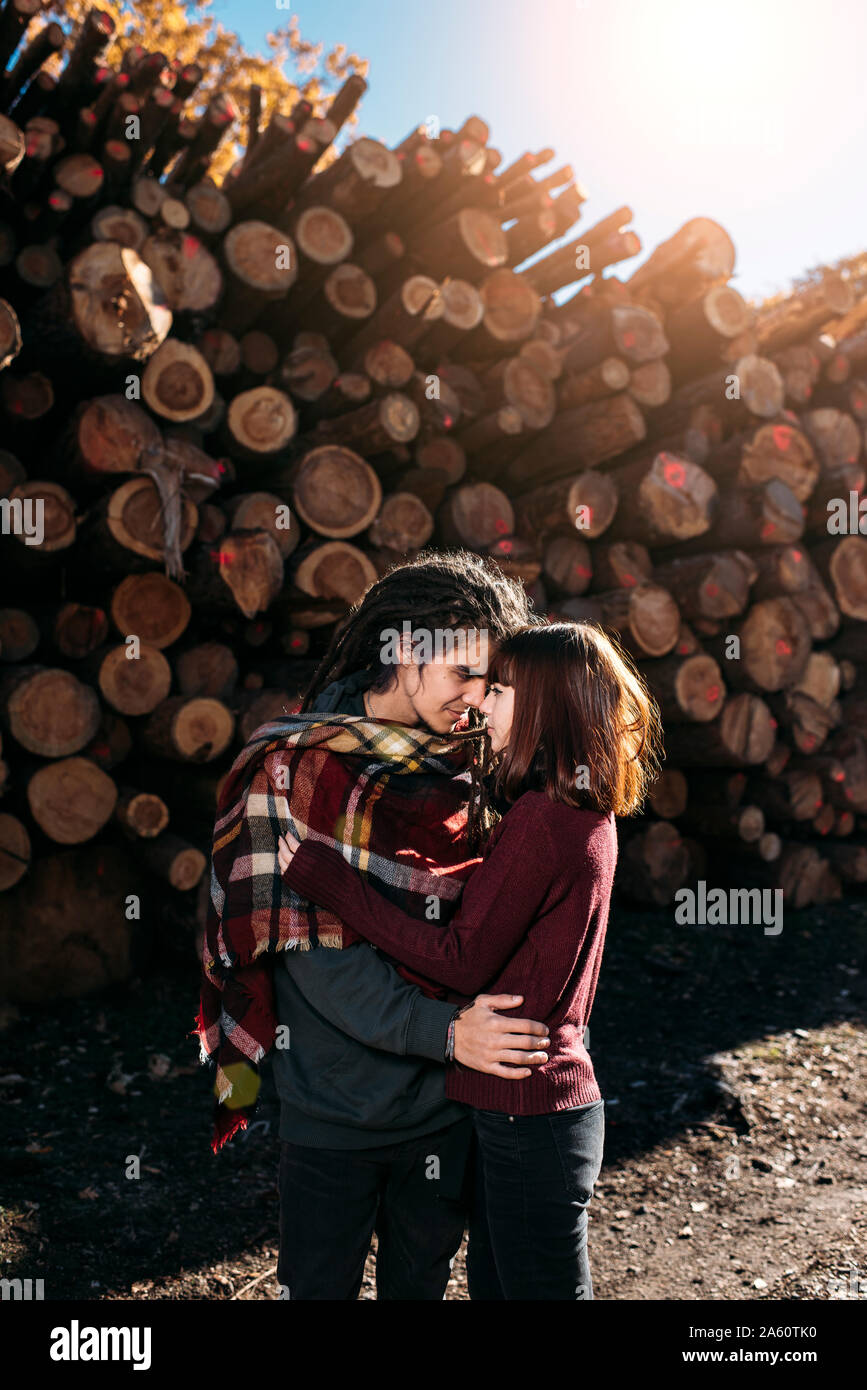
405, 649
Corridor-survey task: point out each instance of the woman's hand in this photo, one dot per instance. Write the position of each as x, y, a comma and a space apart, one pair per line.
286, 847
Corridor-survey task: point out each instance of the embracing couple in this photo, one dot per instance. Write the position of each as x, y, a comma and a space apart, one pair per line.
422, 854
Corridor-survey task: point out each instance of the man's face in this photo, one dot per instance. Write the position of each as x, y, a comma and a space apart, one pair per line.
440, 690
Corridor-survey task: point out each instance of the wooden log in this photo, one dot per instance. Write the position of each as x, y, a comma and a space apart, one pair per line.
387, 364
745, 823
209, 208
333, 571
799, 367
265, 511
511, 313
128, 530
663, 499
65, 932
806, 722
347, 390
793, 795
133, 685
773, 647
803, 312
260, 265
109, 434
189, 729
208, 668
403, 524
404, 317
750, 387
516, 381
187, 272
307, 372
586, 436
468, 245
488, 438
571, 262
567, 563
358, 181
15, 851
689, 689
782, 570
374, 428
626, 331
603, 379
709, 586
107, 309
849, 861
775, 450
700, 254
48, 710
743, 735
71, 799
174, 859
259, 423
645, 617
620, 565
843, 563
587, 502
650, 383
141, 815
751, 517
244, 571
654, 863
444, 455
820, 679
516, 558
669, 795
818, 611
10, 335
151, 606
19, 634
699, 330
348, 298
177, 383
335, 492
475, 515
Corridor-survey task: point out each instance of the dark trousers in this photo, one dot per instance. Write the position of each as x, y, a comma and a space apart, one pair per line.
534, 1176
412, 1193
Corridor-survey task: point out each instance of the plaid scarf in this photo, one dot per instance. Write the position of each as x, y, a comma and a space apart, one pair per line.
391, 798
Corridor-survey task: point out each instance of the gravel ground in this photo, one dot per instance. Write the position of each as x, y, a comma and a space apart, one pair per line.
732, 1064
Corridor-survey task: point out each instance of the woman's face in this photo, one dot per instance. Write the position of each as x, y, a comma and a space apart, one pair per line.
498, 705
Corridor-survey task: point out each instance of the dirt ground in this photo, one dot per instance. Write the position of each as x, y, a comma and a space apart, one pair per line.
732, 1064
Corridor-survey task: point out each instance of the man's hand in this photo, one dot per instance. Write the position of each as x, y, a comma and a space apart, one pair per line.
485, 1041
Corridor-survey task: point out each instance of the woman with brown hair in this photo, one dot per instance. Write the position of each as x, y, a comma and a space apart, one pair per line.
576, 739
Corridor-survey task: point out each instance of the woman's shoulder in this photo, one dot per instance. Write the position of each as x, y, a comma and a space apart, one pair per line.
537, 808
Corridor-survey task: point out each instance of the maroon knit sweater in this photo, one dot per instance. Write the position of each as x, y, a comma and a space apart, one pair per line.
531, 921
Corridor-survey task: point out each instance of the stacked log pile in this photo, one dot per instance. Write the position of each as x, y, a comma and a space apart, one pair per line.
236, 405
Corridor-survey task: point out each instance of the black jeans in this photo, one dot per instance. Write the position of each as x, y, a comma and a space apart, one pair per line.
534, 1177
412, 1193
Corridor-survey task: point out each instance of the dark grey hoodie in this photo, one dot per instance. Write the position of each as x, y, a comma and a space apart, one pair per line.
364, 1061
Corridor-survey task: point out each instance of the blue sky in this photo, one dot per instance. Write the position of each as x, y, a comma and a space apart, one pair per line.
752, 112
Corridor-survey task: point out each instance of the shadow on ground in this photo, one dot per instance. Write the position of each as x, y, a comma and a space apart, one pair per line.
89, 1084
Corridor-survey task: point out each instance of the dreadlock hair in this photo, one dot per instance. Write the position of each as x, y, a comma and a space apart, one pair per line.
436, 590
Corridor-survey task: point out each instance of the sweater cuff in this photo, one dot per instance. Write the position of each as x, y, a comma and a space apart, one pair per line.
317, 872
428, 1029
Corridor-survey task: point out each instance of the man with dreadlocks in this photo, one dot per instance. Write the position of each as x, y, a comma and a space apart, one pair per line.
368, 1140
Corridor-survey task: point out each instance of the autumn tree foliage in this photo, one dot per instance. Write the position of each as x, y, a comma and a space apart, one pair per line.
295, 68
